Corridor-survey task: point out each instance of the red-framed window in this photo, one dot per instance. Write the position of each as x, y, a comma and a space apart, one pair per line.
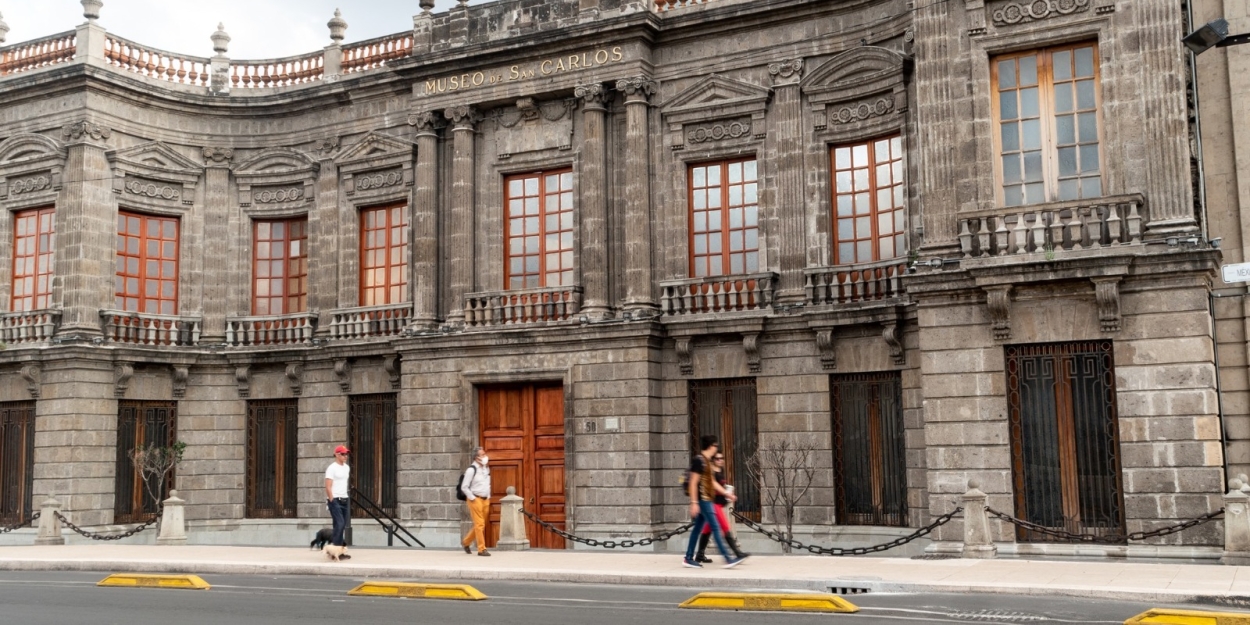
34, 239
724, 218
147, 264
539, 240
384, 255
280, 267
869, 215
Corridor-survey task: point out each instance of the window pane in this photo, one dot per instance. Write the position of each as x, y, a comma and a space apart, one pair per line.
842, 158
1033, 166
1065, 129
1067, 161
1089, 159
1011, 136
1088, 123
1007, 74
1062, 63
1007, 108
1011, 168
1084, 62
1029, 102
1069, 189
1063, 97
859, 155
1028, 70
1091, 187
1085, 94
1032, 131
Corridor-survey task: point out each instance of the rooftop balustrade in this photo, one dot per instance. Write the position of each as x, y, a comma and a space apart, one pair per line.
51, 50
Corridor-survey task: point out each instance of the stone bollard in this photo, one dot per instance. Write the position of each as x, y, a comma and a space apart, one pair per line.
173, 522
1236, 525
977, 543
511, 523
49, 524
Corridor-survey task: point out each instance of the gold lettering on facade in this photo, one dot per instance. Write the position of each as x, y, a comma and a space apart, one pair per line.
546, 67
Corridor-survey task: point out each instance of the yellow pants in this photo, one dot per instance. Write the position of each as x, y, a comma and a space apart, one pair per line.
479, 509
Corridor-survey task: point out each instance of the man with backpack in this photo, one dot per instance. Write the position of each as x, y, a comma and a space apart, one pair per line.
702, 487
474, 490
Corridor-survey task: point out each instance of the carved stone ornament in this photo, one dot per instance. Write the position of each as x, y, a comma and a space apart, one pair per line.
998, 300
277, 196
685, 359
182, 373
218, 157
1107, 294
122, 372
391, 364
152, 189
712, 102
1031, 10
463, 117
594, 94
30, 184
33, 374
532, 126
826, 344
425, 121
78, 131
637, 87
751, 345
786, 72
243, 380
864, 110
343, 373
889, 332
295, 377
379, 180
719, 131
327, 146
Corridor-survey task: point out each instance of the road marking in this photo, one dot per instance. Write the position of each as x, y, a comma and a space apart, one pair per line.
409, 590
150, 580
769, 602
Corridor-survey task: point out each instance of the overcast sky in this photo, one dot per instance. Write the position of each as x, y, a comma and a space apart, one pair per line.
259, 29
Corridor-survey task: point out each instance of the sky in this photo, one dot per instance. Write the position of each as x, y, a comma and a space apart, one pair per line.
258, 29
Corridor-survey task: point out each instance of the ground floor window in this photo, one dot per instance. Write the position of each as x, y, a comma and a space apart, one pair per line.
371, 434
271, 458
727, 409
17, 460
1064, 439
140, 424
869, 461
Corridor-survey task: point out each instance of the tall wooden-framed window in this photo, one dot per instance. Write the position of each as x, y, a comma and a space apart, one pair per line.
384, 255
869, 215
869, 461
1046, 106
34, 240
539, 240
371, 434
140, 424
724, 218
17, 460
280, 267
272, 427
727, 409
147, 264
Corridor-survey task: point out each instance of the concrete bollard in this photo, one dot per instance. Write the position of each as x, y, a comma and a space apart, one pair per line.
977, 543
49, 524
511, 523
173, 522
1236, 525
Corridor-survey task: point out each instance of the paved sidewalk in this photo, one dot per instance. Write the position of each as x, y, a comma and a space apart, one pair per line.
1163, 583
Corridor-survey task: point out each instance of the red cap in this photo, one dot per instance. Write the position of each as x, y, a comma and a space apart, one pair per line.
342, 450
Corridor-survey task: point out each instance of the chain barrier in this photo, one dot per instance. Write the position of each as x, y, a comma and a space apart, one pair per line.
20, 524
854, 551
607, 544
94, 536
1108, 539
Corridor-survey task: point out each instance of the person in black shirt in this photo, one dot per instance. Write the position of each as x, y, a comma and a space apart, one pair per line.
702, 488
718, 468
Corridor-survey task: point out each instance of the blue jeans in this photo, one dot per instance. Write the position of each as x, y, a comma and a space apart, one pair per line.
707, 515
339, 512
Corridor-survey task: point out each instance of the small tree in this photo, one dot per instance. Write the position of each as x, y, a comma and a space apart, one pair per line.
784, 470
156, 465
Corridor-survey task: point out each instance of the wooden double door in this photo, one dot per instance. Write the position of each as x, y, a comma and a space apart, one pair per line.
522, 429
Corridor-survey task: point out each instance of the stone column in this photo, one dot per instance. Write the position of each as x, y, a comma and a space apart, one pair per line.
86, 226
785, 163
326, 290
460, 248
977, 542
936, 124
593, 184
425, 212
217, 208
1165, 117
637, 194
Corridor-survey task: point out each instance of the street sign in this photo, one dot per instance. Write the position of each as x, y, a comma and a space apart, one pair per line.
1236, 273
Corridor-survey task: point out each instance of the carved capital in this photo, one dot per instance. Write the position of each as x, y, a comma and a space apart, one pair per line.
636, 89
998, 300
594, 95
122, 372
218, 157
751, 345
426, 121
85, 131
181, 374
343, 373
243, 380
826, 343
1107, 294
391, 364
463, 117
685, 359
786, 72
295, 377
326, 147
891, 334
33, 374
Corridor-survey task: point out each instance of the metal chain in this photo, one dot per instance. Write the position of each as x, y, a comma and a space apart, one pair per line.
854, 551
93, 536
1109, 539
607, 544
20, 524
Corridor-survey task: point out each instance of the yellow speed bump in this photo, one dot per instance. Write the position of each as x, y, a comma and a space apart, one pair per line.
1168, 616
147, 580
769, 602
463, 592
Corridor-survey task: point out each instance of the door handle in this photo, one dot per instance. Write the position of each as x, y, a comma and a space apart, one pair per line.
531, 500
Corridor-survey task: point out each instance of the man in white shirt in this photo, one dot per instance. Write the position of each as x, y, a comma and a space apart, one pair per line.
476, 488
337, 500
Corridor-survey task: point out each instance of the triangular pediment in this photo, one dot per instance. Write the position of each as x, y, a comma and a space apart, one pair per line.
156, 156
374, 145
277, 161
29, 147
854, 68
716, 90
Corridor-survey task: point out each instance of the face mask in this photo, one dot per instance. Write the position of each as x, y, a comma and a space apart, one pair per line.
484, 460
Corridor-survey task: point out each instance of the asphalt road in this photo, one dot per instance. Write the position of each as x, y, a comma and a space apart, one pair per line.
69, 598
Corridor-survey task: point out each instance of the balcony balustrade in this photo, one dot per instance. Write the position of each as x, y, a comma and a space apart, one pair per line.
31, 326
272, 330
719, 294
134, 328
28, 55
848, 284
1097, 223
522, 307
370, 321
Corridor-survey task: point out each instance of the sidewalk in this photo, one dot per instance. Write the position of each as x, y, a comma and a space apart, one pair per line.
1162, 583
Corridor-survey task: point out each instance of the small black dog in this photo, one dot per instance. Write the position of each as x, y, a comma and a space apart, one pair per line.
323, 536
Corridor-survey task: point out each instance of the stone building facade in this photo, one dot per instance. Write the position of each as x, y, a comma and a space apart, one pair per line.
931, 242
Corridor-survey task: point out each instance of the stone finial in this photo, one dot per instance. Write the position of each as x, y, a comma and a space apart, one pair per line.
338, 26
91, 9
4, 28
462, 4
427, 6
220, 39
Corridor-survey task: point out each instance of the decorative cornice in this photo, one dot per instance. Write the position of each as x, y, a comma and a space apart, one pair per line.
719, 131
82, 130
1027, 11
181, 374
277, 196
30, 184
33, 374
786, 72
861, 111
122, 372
218, 157
155, 190
463, 117
637, 88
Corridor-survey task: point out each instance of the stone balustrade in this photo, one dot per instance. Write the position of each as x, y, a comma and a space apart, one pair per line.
28, 55
719, 294
668, 5
136, 328
1050, 228
374, 53
848, 284
369, 321
157, 64
32, 326
271, 330
297, 70
510, 308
